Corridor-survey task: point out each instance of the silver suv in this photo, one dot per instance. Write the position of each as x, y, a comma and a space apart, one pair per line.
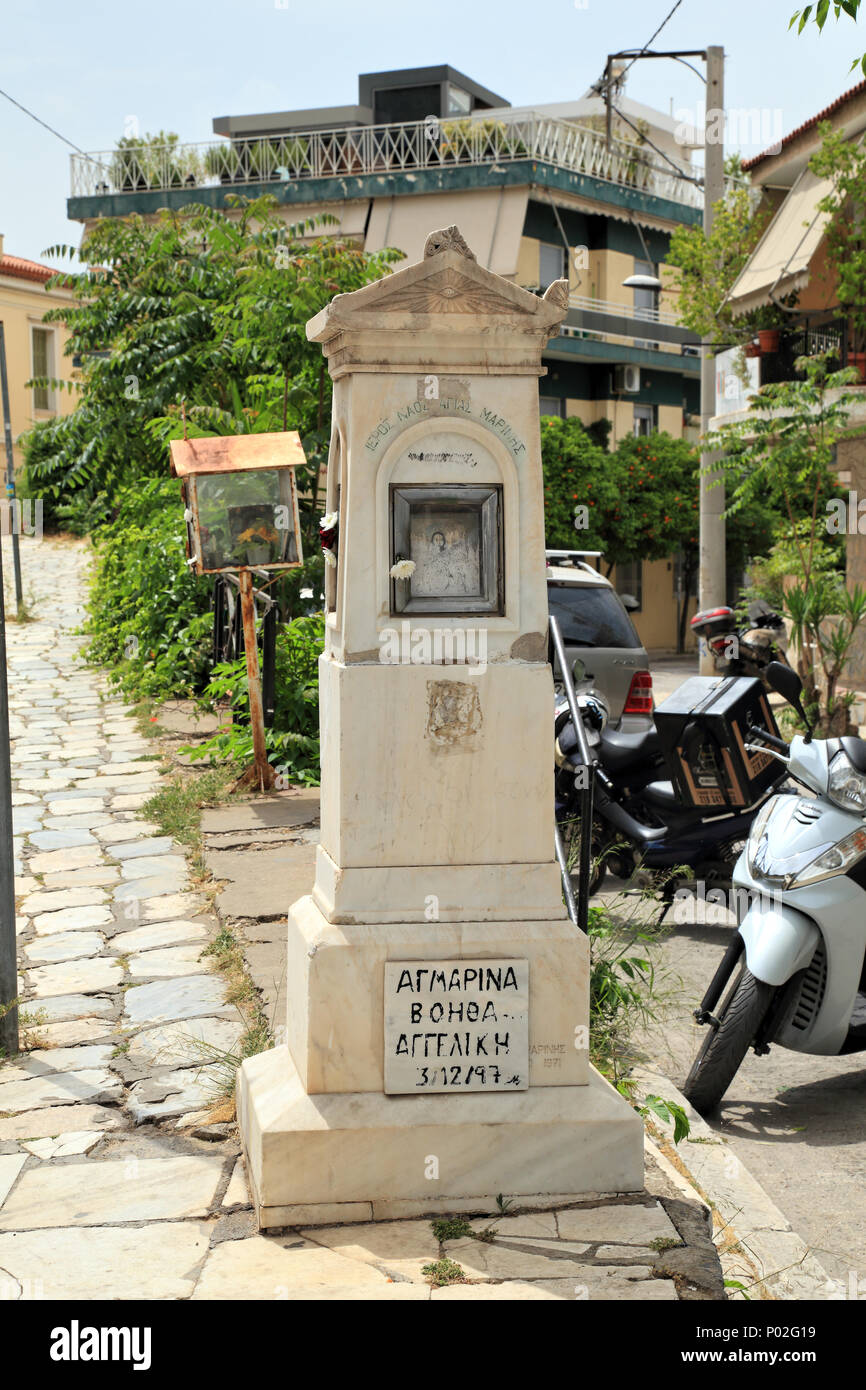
597, 629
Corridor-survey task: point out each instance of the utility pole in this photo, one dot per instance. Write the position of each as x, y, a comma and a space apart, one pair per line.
10, 469
712, 574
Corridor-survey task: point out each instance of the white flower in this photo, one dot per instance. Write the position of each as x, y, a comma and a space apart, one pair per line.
329, 520
330, 558
403, 569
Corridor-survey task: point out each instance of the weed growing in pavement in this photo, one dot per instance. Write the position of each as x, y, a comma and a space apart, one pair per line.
25, 612
176, 808
623, 981
28, 1023
444, 1271
452, 1228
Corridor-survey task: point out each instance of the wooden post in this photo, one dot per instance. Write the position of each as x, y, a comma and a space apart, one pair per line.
264, 772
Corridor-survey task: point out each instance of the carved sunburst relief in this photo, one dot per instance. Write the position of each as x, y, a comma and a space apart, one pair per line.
448, 291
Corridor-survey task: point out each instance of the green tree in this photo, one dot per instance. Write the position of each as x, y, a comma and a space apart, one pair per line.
785, 450
708, 266
640, 500
193, 323
844, 161
819, 13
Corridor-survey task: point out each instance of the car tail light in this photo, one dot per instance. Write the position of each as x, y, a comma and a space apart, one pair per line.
640, 694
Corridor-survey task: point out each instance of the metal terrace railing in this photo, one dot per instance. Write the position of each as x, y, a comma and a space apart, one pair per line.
624, 311
379, 149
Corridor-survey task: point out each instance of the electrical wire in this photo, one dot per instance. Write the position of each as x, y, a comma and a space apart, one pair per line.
651, 39
688, 178
44, 124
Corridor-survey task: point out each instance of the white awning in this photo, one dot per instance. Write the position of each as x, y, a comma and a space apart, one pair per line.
780, 262
490, 221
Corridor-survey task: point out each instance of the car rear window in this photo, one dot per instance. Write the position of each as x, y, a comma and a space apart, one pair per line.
590, 615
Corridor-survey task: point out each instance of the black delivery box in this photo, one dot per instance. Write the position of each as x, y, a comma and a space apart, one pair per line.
703, 729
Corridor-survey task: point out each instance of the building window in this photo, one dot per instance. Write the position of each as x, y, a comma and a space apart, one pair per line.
645, 419
42, 359
459, 102
551, 263
551, 405
629, 581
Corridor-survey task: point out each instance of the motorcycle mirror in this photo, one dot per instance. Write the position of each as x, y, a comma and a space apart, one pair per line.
785, 681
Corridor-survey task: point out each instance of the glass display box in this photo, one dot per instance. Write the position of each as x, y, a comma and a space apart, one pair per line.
452, 535
240, 499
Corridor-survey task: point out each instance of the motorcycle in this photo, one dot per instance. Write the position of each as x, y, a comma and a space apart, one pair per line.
745, 651
639, 823
798, 952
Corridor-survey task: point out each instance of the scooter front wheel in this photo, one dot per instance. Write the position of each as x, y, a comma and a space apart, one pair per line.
721, 1056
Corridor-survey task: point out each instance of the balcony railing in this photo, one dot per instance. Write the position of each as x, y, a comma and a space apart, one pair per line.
829, 338
625, 311
378, 149
650, 328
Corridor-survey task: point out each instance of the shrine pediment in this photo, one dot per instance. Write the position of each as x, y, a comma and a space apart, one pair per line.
448, 282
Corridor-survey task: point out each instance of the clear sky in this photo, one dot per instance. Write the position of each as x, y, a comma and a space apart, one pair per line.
87, 67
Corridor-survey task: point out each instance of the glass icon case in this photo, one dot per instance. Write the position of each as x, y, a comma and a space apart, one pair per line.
453, 535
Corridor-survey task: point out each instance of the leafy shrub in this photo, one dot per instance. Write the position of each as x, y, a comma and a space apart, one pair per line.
293, 741
150, 621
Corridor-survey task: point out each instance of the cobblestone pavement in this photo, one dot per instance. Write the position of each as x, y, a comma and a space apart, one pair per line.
114, 1181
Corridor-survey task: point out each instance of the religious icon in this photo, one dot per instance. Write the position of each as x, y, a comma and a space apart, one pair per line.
452, 535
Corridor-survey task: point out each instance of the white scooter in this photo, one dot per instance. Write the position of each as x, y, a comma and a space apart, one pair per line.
800, 885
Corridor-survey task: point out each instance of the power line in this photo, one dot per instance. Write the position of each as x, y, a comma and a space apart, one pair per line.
651, 39
39, 121
689, 178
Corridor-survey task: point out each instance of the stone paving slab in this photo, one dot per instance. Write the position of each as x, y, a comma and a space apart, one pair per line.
58, 1089
71, 919
278, 809
160, 934
63, 946
114, 1192
191, 996
82, 976
62, 1008
159, 1261
265, 887
137, 848
98, 877
169, 963
76, 1030
74, 1142
178, 1093
43, 1061
195, 1040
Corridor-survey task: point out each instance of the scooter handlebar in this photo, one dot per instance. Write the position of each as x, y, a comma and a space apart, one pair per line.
769, 739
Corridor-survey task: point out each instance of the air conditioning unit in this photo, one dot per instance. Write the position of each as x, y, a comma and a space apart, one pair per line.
626, 379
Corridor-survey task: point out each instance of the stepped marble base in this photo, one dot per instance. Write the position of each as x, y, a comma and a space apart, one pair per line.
319, 1160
